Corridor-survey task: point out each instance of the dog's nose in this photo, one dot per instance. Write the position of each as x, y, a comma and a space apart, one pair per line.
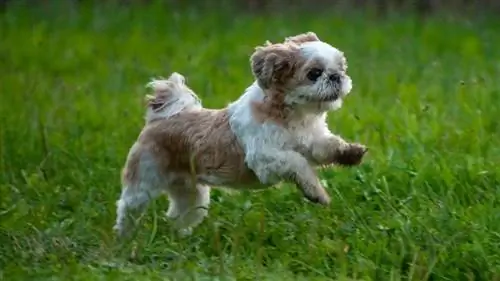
335, 78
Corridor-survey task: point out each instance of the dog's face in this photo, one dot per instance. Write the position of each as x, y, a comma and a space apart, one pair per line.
307, 72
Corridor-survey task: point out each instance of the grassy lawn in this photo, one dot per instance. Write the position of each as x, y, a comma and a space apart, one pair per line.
425, 205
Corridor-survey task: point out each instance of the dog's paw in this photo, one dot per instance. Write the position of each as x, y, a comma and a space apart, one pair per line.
119, 232
185, 232
352, 155
321, 198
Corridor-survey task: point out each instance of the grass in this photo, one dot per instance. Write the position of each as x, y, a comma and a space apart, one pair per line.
425, 205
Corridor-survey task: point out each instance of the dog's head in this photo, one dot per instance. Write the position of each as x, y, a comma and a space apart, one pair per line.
171, 96
303, 72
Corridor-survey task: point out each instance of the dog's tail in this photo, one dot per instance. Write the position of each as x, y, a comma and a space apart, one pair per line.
170, 96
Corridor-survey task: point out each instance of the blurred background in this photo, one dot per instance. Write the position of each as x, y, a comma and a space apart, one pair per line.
380, 6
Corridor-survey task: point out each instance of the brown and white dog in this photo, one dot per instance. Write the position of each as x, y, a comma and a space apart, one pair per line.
276, 131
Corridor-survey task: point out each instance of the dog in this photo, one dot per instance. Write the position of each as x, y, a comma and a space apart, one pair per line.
275, 131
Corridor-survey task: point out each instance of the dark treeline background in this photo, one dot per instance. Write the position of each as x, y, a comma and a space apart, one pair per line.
422, 7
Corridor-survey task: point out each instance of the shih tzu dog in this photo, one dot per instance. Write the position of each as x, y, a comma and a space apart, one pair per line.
276, 131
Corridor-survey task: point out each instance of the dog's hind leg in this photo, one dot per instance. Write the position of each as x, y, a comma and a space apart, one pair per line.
131, 205
141, 184
188, 206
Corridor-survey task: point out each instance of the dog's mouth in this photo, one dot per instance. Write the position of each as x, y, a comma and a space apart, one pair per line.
321, 98
329, 98
329, 92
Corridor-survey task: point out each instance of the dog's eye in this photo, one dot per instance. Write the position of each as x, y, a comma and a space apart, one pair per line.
314, 74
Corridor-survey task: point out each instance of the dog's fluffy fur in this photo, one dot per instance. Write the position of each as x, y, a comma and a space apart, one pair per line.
276, 131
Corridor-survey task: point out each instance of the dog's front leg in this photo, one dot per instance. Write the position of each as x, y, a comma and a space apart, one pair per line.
273, 165
333, 149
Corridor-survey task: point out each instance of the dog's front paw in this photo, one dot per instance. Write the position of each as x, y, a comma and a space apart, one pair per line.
351, 155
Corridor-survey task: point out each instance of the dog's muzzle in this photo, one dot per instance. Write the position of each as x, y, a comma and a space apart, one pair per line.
335, 78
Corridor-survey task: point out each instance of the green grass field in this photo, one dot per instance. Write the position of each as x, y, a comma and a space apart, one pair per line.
425, 204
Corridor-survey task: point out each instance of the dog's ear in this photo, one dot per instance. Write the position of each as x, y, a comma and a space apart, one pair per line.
302, 38
273, 64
